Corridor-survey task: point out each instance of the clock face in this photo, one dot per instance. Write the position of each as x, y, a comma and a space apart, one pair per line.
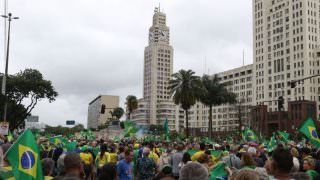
163, 35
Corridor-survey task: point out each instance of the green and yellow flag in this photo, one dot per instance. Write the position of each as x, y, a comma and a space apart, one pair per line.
58, 140
24, 158
272, 143
250, 135
129, 128
219, 172
283, 136
308, 128
9, 137
166, 128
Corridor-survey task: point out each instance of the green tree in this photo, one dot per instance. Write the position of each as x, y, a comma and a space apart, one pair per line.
214, 94
132, 104
185, 89
24, 90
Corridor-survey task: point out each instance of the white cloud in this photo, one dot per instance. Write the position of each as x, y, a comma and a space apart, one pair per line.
96, 47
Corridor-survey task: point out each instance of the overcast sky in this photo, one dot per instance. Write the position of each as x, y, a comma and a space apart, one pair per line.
92, 47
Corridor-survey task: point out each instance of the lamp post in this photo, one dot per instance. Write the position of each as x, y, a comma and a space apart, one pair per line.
4, 79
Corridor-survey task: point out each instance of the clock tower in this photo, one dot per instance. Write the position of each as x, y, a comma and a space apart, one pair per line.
159, 31
158, 68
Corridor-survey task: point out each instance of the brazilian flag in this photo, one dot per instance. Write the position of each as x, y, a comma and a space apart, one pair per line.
58, 140
130, 128
272, 143
24, 158
250, 135
308, 128
283, 136
219, 172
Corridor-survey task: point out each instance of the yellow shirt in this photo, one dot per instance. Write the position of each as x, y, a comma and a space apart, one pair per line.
113, 158
104, 160
197, 155
155, 157
86, 158
48, 177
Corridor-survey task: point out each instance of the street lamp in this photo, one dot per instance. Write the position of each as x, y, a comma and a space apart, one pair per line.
4, 79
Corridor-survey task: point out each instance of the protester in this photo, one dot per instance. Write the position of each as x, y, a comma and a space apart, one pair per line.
103, 157
87, 159
177, 159
193, 171
185, 160
247, 161
124, 167
199, 153
309, 166
47, 165
232, 160
73, 167
247, 174
108, 172
146, 167
282, 163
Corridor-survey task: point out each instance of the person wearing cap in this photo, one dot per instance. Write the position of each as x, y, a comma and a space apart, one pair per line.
146, 167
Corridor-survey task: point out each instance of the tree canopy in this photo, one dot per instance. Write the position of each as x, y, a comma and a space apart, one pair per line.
185, 89
24, 90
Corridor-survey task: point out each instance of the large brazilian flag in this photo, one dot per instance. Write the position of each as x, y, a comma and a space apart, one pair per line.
24, 158
308, 128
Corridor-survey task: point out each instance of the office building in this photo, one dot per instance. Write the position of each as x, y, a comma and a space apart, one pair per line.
96, 116
285, 49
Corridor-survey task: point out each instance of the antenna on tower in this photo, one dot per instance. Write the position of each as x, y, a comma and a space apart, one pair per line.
205, 64
243, 57
159, 7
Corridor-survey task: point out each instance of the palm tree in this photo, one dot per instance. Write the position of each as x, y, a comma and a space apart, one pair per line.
214, 94
132, 104
185, 88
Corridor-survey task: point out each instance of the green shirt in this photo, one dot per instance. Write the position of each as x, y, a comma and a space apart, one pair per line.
312, 173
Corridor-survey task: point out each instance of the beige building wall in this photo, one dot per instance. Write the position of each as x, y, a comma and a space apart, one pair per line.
286, 48
95, 118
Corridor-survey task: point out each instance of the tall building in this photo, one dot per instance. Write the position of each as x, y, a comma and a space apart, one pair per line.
95, 116
286, 48
157, 104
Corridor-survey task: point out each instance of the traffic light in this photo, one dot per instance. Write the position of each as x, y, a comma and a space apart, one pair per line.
103, 109
280, 103
293, 84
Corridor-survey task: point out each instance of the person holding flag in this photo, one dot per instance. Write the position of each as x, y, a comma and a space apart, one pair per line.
308, 128
24, 158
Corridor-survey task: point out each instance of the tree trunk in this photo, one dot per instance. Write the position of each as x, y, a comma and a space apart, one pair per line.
187, 123
210, 122
129, 114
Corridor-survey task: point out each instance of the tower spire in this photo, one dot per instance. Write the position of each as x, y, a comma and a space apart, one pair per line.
159, 7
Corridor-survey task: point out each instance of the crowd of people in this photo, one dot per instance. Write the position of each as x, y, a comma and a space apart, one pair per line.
141, 160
